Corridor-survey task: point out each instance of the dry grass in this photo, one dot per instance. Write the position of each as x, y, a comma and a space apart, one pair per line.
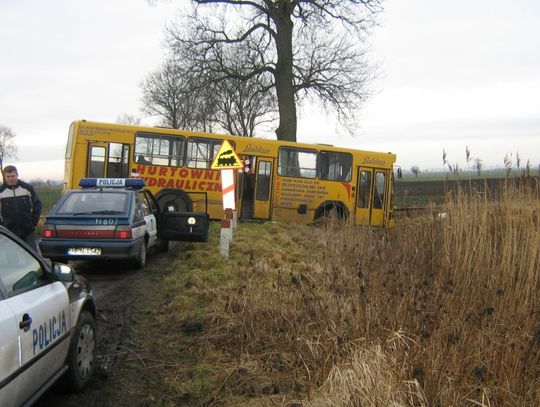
437, 312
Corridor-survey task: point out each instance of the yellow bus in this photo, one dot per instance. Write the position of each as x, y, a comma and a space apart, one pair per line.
282, 181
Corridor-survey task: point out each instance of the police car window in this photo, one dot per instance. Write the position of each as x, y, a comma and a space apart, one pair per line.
95, 201
151, 202
145, 207
139, 213
19, 270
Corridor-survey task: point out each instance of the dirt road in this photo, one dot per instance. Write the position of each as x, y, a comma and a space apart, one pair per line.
114, 285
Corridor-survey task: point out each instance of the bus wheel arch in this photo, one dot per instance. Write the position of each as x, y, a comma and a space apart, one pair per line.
179, 200
332, 209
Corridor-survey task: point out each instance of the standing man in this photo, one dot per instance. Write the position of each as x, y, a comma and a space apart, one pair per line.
20, 206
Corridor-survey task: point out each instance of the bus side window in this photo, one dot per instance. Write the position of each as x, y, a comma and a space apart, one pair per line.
143, 149
264, 175
200, 152
158, 149
334, 166
117, 164
294, 162
96, 168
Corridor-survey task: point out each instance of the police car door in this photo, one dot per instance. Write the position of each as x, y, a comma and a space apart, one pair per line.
149, 218
42, 317
9, 352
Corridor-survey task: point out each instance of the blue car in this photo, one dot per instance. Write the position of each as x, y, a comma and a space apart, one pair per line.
112, 218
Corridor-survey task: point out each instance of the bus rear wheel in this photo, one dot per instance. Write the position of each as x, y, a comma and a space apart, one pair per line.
334, 211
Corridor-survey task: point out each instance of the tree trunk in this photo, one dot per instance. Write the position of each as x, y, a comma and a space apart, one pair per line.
284, 75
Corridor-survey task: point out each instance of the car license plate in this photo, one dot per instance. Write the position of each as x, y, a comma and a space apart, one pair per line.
84, 251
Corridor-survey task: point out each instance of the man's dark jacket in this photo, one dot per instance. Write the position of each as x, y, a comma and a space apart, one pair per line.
20, 208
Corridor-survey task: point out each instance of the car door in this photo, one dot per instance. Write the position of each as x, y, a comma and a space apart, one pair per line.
9, 353
149, 218
42, 316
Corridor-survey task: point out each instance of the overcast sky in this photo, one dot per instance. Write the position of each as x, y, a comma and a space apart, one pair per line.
452, 74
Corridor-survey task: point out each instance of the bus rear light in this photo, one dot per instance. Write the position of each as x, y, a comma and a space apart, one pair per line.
48, 231
123, 232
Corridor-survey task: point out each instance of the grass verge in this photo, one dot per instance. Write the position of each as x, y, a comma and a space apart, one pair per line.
438, 311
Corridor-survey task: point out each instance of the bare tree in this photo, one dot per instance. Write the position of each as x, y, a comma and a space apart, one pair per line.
186, 98
167, 94
292, 47
128, 119
7, 145
415, 169
241, 106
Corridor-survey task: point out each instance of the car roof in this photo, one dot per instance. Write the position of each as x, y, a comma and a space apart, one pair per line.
103, 190
132, 183
6, 231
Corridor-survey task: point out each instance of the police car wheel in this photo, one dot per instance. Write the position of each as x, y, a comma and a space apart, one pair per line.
82, 352
140, 259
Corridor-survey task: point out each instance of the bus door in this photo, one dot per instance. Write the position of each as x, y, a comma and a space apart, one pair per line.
263, 188
107, 160
371, 197
255, 188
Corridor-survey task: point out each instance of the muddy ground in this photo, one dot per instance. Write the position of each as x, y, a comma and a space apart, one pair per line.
116, 286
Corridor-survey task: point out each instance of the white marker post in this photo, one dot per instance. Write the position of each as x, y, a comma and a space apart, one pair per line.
227, 161
229, 205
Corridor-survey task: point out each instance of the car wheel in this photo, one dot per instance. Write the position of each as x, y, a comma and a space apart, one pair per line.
140, 259
82, 352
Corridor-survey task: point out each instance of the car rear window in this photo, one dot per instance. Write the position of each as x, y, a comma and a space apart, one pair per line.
98, 202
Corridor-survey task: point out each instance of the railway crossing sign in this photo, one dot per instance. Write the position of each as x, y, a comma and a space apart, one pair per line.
226, 158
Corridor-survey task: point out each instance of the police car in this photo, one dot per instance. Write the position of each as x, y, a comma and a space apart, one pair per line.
47, 324
110, 218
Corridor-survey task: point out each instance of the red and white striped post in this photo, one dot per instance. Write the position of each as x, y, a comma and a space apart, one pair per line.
226, 234
229, 207
227, 161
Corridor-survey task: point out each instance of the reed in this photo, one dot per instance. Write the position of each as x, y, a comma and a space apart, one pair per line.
439, 311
